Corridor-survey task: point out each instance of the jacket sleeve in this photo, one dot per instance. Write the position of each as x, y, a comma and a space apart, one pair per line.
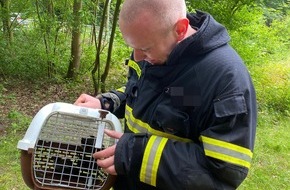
228, 144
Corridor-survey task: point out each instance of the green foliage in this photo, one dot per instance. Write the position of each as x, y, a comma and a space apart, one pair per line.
255, 41
26, 58
272, 82
118, 71
22, 60
252, 36
275, 10
263, 48
282, 30
222, 10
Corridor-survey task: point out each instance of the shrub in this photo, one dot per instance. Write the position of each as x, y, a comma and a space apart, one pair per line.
255, 41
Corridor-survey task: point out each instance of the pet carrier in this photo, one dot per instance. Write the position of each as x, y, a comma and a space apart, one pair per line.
57, 149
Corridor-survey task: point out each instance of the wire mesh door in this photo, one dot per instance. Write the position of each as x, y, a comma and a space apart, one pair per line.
63, 152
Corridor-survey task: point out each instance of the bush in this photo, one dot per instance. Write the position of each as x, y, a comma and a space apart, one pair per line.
26, 56
255, 41
23, 58
282, 29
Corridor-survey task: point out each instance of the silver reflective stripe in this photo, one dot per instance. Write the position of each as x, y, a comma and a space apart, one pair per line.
151, 159
227, 152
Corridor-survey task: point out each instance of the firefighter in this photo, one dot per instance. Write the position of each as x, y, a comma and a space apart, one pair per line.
189, 103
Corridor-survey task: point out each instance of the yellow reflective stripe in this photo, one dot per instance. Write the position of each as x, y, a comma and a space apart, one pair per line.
227, 152
144, 165
122, 89
135, 125
227, 145
135, 66
227, 158
151, 159
138, 126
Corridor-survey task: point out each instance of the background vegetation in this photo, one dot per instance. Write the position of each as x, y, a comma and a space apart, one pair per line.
54, 50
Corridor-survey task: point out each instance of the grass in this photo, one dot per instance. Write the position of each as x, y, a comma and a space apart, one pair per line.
270, 168
10, 171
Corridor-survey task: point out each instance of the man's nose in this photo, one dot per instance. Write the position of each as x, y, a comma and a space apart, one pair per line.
139, 55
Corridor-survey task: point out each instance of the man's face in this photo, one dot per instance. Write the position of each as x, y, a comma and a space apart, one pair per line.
148, 41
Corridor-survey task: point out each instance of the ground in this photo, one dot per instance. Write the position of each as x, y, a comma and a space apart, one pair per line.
27, 97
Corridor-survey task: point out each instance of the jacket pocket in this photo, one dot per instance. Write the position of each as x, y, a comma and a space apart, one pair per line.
171, 121
230, 105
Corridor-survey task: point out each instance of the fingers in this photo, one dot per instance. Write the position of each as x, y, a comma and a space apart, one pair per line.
105, 159
113, 134
107, 165
81, 99
110, 151
110, 170
88, 101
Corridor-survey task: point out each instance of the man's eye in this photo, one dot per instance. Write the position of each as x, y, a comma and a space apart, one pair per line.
145, 50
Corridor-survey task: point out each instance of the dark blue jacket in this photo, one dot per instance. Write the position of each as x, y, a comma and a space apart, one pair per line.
191, 122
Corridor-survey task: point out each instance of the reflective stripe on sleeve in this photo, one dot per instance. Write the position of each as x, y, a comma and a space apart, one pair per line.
135, 66
122, 89
151, 159
227, 152
138, 126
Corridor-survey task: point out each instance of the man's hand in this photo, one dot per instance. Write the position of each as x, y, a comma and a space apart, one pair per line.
88, 101
105, 158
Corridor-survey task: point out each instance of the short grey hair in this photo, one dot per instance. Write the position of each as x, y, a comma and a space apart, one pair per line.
167, 12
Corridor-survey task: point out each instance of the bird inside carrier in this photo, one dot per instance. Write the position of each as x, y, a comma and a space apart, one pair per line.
57, 149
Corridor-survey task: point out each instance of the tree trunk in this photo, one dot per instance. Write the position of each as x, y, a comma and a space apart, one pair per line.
76, 41
46, 28
99, 47
7, 29
108, 62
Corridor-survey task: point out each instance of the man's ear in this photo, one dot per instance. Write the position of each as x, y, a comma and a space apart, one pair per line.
181, 27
